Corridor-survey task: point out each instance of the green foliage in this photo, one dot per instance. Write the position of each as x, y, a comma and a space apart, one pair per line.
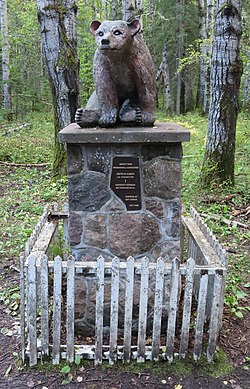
10, 297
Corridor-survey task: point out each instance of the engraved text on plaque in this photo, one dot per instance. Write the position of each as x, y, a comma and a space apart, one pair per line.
125, 181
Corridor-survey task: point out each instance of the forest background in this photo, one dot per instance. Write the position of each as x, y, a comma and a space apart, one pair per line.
179, 34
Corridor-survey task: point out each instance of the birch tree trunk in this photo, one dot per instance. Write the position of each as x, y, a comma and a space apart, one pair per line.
164, 73
206, 12
114, 9
139, 5
7, 100
246, 95
226, 70
57, 22
180, 50
128, 9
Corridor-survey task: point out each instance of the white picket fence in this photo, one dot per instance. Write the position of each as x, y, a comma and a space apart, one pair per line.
190, 320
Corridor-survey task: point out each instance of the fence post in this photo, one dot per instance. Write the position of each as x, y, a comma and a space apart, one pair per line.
201, 309
99, 309
142, 322
31, 308
44, 289
65, 208
22, 306
128, 309
214, 319
114, 311
173, 304
70, 307
187, 304
57, 310
159, 282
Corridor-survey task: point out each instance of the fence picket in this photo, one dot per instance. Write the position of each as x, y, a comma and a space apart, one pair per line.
201, 309
65, 208
214, 324
159, 282
114, 311
187, 304
99, 309
22, 306
44, 306
173, 303
142, 322
70, 307
31, 308
57, 310
209, 290
128, 309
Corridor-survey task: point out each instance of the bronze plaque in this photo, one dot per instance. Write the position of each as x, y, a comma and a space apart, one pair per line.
125, 181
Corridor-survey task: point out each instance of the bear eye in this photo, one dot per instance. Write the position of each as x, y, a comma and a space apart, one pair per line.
117, 32
100, 33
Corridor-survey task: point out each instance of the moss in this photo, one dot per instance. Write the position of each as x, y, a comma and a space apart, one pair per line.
180, 368
221, 365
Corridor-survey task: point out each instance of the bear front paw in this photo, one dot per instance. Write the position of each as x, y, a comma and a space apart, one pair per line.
108, 118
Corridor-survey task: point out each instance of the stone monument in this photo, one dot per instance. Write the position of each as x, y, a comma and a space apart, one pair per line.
124, 182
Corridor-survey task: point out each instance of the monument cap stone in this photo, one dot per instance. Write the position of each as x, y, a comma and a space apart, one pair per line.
159, 133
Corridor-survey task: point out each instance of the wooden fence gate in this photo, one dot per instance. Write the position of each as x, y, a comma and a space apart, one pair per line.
196, 296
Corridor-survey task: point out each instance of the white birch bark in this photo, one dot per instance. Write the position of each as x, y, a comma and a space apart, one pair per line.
7, 101
139, 6
180, 48
128, 9
226, 70
165, 74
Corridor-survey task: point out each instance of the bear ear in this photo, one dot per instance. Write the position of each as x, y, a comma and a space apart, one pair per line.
134, 27
95, 24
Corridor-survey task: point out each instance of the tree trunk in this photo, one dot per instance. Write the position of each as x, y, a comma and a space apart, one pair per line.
180, 50
246, 96
188, 97
226, 70
7, 100
128, 9
206, 12
139, 5
57, 21
114, 9
164, 73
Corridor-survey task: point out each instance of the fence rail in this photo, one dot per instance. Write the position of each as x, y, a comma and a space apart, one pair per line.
196, 294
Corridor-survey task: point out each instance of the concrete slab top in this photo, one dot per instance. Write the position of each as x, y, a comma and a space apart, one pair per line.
159, 133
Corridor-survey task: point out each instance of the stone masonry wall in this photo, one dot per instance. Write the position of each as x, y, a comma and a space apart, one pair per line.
99, 222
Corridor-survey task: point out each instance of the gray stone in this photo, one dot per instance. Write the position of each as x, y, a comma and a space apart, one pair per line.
85, 298
98, 158
162, 178
75, 229
74, 159
114, 205
132, 234
88, 191
95, 231
172, 218
90, 254
169, 150
155, 207
168, 250
160, 133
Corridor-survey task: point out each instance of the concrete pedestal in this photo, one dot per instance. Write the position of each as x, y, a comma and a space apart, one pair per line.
105, 221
